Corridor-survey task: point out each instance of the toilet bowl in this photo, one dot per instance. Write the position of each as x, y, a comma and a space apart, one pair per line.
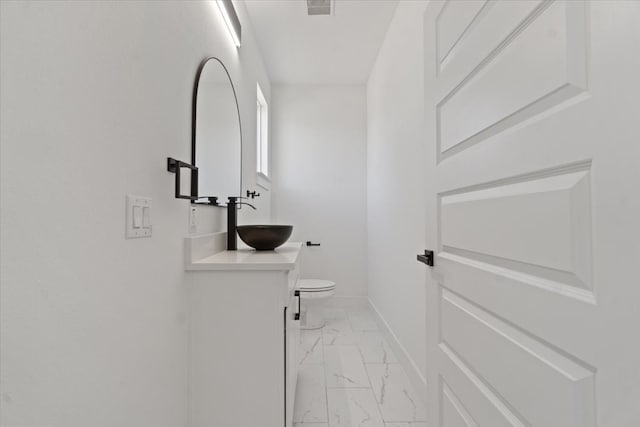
313, 294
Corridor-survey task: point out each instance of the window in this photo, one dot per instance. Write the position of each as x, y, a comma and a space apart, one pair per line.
262, 139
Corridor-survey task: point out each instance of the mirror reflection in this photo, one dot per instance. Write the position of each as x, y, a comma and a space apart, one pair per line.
217, 141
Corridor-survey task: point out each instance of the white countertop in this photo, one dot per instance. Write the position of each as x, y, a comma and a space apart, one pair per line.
282, 258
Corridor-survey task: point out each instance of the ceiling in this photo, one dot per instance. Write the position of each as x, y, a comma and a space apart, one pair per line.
335, 49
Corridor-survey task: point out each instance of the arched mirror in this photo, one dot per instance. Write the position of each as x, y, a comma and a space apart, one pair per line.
217, 137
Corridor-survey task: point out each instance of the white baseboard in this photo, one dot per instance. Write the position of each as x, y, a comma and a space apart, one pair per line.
417, 379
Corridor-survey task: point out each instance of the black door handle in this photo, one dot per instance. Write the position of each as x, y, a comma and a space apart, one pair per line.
312, 244
427, 258
296, 316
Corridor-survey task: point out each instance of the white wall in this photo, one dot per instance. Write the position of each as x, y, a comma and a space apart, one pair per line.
319, 178
396, 184
94, 97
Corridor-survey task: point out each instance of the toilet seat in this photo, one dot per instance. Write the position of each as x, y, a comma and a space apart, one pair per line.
315, 285
313, 293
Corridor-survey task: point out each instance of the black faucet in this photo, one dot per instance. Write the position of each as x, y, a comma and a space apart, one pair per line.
232, 221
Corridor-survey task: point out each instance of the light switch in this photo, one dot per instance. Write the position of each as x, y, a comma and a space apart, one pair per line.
146, 217
138, 217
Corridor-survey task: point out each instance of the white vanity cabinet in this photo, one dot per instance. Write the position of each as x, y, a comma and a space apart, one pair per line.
244, 337
292, 336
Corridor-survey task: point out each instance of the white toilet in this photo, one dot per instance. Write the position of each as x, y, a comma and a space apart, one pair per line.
313, 294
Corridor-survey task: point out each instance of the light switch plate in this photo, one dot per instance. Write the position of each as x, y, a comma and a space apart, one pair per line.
140, 207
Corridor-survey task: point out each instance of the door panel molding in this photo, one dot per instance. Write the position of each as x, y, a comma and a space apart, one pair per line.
482, 401
544, 57
560, 390
453, 23
501, 226
453, 411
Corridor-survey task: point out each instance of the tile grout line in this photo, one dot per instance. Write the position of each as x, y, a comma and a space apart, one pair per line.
358, 346
369, 376
372, 392
324, 370
364, 365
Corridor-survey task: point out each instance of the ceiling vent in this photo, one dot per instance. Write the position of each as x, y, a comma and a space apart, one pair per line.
319, 7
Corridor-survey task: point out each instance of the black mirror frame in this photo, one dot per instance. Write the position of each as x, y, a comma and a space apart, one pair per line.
194, 108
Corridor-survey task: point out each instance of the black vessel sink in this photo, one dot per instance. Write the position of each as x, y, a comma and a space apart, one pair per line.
264, 237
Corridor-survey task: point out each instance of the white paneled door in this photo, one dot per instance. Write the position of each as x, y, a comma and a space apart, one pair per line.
533, 113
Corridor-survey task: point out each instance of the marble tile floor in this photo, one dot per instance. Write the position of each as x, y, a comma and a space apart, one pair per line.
349, 377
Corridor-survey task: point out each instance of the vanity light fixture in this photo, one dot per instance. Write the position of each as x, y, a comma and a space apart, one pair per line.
231, 19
